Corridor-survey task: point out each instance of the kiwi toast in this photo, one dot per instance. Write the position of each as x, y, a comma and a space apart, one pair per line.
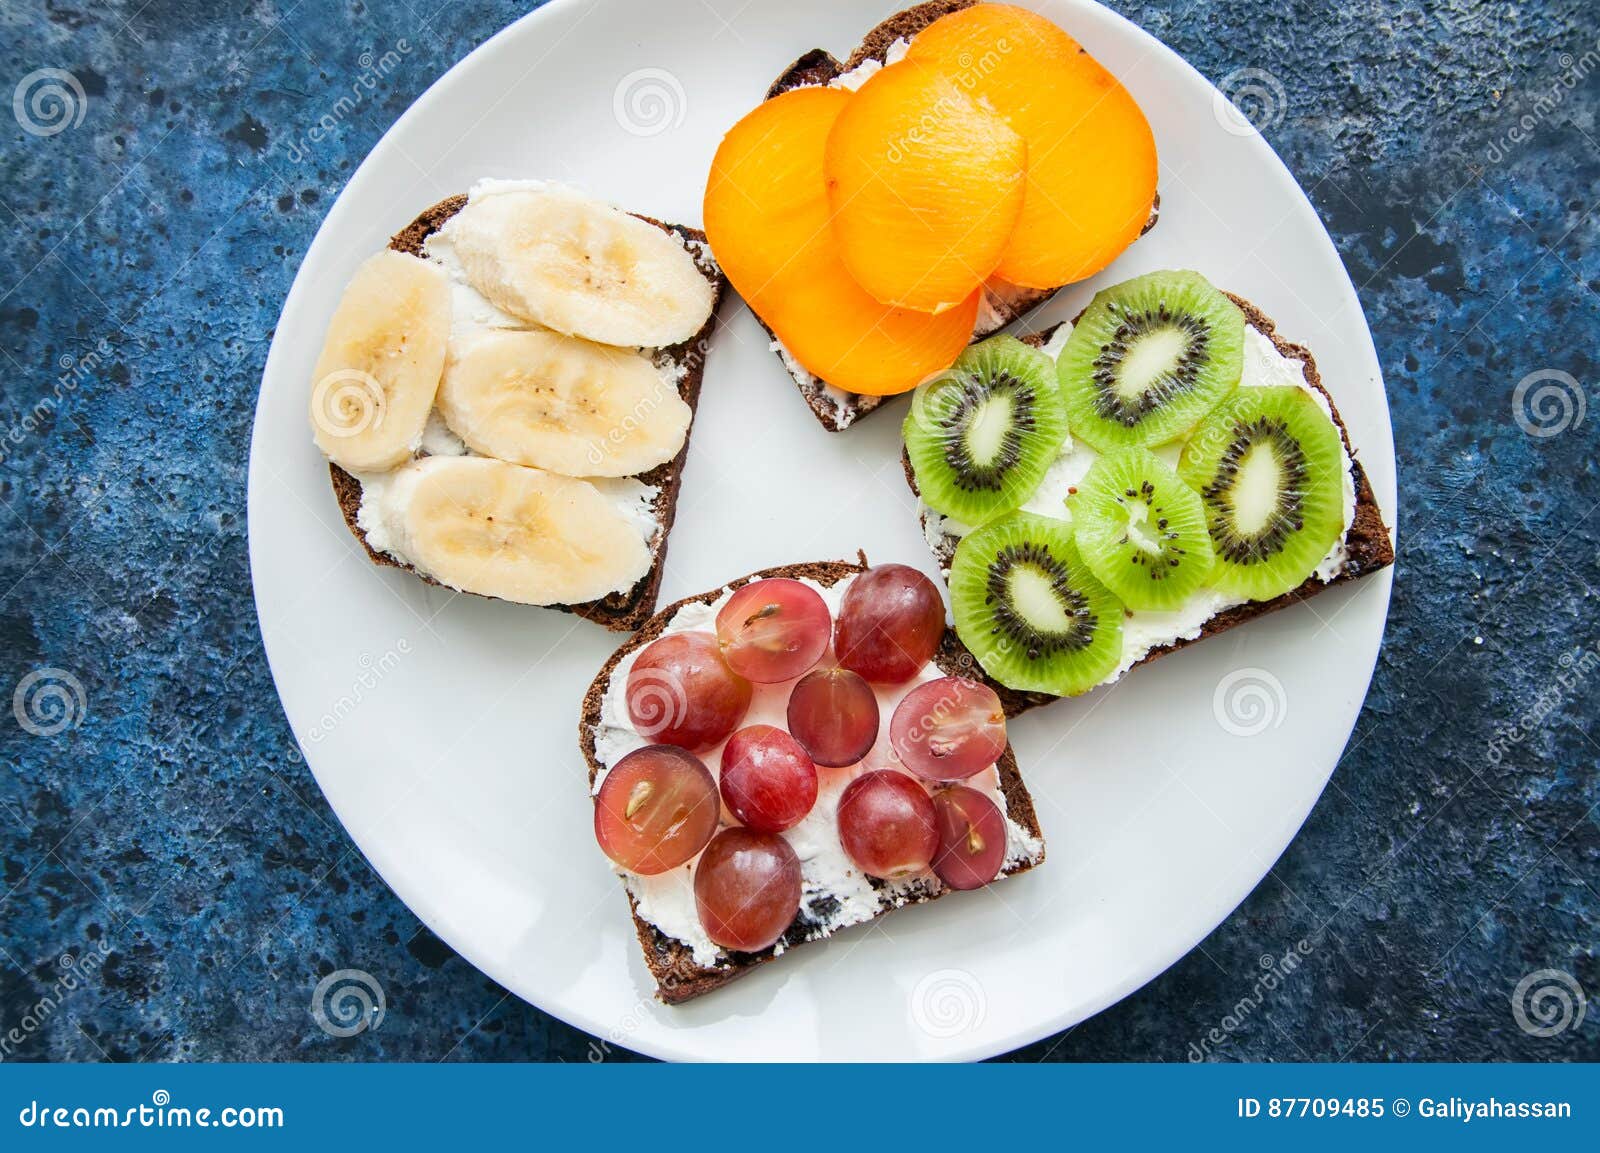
1185, 553
683, 969
837, 404
651, 380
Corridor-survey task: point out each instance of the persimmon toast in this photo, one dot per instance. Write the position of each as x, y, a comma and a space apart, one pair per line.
961, 165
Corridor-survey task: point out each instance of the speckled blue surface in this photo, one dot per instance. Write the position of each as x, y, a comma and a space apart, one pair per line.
173, 846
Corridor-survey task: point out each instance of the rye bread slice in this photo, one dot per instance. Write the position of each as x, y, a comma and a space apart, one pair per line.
1003, 303
1368, 542
678, 977
621, 611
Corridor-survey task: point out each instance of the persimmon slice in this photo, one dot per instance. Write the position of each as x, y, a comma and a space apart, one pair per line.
925, 187
767, 219
1091, 175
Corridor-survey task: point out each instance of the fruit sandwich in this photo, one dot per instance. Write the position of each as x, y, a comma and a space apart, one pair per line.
1159, 470
879, 214
484, 406
790, 755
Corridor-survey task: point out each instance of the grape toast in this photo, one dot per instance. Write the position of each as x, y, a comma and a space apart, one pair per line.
835, 408
620, 611
678, 976
1367, 544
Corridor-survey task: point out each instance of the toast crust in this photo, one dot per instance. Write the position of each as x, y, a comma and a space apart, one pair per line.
835, 408
1368, 542
678, 978
620, 611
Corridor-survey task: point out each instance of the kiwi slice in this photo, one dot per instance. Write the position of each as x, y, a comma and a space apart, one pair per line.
1268, 466
1148, 358
1030, 610
1141, 529
981, 434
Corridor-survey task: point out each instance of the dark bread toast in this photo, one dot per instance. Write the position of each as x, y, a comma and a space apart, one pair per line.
1003, 303
1368, 543
622, 611
678, 977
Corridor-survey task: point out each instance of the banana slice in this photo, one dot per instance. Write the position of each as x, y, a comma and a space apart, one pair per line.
503, 530
381, 361
563, 404
581, 267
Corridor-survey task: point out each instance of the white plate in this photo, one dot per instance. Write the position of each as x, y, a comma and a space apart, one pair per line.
442, 728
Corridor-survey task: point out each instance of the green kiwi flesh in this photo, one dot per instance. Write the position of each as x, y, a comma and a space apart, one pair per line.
981, 435
1148, 358
1031, 610
1141, 530
1269, 467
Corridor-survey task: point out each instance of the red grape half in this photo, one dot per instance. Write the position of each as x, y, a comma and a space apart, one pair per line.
890, 624
886, 824
656, 809
949, 728
833, 713
773, 630
747, 888
681, 692
768, 782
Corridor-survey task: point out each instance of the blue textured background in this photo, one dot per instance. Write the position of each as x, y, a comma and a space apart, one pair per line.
173, 836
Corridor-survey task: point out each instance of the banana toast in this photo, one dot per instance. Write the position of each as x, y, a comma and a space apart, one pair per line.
626, 609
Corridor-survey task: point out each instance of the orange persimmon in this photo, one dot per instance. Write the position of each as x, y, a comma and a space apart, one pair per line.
768, 223
925, 187
1091, 175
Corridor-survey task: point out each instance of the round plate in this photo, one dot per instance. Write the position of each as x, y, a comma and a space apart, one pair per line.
442, 727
